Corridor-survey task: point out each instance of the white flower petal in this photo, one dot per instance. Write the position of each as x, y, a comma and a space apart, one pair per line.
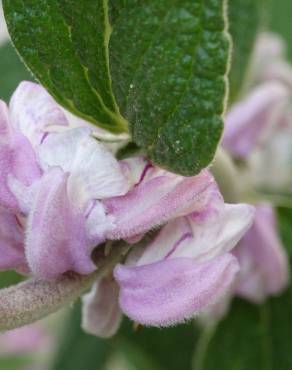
32, 110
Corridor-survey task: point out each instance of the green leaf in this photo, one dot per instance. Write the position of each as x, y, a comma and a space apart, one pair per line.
78, 350
15, 362
65, 44
159, 65
8, 278
168, 77
245, 21
251, 338
280, 21
142, 349
12, 71
285, 227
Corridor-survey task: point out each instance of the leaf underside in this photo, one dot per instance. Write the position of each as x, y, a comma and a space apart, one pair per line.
156, 68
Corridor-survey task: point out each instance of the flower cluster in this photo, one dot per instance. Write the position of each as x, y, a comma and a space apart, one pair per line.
63, 194
259, 128
258, 134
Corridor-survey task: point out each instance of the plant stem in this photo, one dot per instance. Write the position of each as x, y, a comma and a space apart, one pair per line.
34, 299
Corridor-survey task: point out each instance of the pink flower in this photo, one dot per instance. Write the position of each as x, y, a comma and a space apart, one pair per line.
263, 261
52, 184
67, 193
258, 129
263, 265
11, 242
185, 269
17, 159
269, 61
248, 122
101, 315
26, 340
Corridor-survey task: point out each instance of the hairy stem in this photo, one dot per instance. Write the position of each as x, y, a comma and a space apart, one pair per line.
34, 299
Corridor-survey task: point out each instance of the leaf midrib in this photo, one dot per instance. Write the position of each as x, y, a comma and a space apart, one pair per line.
114, 114
107, 35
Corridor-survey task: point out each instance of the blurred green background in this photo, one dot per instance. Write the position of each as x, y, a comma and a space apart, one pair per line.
148, 349
280, 20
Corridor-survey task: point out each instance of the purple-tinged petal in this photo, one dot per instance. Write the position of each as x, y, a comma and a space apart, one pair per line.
156, 201
25, 195
169, 292
56, 238
11, 242
246, 121
7, 200
173, 236
202, 241
17, 160
270, 165
59, 149
219, 235
138, 169
262, 258
101, 314
4, 121
269, 60
98, 223
32, 110
25, 340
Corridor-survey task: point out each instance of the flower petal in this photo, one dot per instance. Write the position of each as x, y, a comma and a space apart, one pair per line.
4, 121
168, 292
56, 238
155, 201
219, 235
98, 223
190, 237
94, 171
138, 169
59, 149
26, 340
270, 165
17, 160
11, 242
32, 110
101, 314
247, 120
263, 260
97, 132
269, 60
